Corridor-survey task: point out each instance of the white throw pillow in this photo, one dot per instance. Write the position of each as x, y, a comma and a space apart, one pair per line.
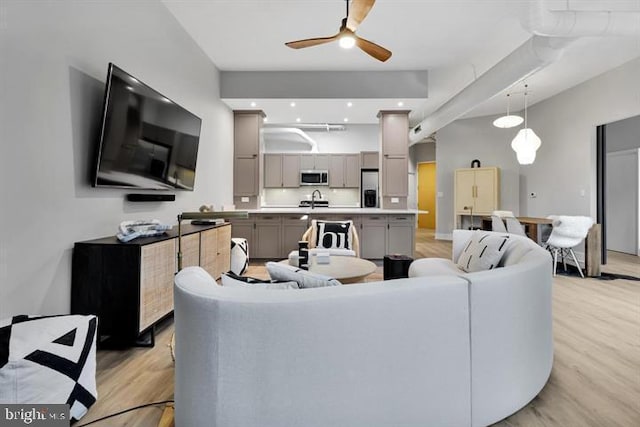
304, 278
232, 280
483, 252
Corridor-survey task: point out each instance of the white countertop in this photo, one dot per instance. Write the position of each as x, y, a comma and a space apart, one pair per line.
334, 210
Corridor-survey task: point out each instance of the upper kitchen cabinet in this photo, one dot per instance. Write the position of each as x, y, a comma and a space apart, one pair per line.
394, 145
369, 159
314, 162
246, 158
344, 170
281, 170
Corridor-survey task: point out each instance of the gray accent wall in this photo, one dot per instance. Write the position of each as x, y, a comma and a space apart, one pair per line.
457, 145
53, 68
564, 173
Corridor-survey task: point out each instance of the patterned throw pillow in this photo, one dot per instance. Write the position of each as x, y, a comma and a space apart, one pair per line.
49, 359
232, 280
305, 279
483, 252
333, 234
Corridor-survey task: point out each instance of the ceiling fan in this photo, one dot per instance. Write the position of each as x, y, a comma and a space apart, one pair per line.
347, 35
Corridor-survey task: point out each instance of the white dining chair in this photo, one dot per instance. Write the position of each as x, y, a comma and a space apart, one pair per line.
567, 233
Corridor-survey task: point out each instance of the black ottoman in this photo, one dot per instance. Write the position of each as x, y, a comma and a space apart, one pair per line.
396, 266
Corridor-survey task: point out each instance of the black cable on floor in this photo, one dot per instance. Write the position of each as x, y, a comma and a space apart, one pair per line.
146, 405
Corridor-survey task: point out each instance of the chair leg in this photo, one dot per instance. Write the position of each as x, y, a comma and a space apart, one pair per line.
564, 262
576, 261
555, 260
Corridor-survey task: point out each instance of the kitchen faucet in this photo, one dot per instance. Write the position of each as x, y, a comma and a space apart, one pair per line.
313, 197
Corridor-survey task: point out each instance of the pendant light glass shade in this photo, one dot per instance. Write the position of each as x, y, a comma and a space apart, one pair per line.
526, 142
508, 121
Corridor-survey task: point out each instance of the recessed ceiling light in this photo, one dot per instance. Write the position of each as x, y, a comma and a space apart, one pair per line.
253, 104
346, 119
349, 104
298, 120
293, 104
400, 104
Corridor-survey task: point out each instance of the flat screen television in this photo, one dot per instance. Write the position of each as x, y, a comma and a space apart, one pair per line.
147, 141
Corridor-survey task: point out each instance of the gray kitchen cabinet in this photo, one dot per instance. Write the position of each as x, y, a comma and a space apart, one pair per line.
272, 170
400, 234
344, 170
290, 170
370, 160
352, 170
292, 230
395, 175
267, 236
336, 171
373, 236
281, 170
314, 162
246, 162
245, 179
394, 127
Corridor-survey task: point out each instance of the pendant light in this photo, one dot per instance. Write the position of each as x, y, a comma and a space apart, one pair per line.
526, 141
507, 121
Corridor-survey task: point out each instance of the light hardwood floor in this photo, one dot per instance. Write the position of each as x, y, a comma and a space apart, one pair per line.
595, 379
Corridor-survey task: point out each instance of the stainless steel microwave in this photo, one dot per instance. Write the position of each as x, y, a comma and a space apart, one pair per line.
314, 177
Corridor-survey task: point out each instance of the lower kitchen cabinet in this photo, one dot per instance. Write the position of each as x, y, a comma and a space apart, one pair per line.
373, 236
292, 230
400, 234
268, 239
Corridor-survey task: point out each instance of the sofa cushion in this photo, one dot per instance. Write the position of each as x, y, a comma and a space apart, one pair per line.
49, 359
433, 267
331, 234
483, 251
516, 249
304, 278
232, 280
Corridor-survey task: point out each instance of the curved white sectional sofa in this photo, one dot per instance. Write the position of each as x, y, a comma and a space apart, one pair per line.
451, 349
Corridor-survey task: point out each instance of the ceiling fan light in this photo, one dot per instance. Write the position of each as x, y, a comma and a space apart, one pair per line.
347, 41
506, 122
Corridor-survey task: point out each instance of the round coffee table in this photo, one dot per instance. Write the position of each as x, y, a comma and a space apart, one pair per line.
347, 269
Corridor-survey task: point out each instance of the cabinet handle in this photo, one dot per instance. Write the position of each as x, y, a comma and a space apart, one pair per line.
254, 225
254, 155
387, 226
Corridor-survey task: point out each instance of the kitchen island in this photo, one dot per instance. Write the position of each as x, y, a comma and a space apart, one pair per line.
273, 232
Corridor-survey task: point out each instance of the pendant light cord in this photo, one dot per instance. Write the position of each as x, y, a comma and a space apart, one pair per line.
525, 106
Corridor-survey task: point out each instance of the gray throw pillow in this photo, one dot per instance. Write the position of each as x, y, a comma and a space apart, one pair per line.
232, 280
483, 252
304, 278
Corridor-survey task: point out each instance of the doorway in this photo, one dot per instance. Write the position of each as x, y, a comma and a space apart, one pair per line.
427, 195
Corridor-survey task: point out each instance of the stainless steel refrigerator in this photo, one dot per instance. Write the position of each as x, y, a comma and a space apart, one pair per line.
369, 191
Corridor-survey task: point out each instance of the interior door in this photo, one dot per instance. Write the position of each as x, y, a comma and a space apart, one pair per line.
427, 195
622, 201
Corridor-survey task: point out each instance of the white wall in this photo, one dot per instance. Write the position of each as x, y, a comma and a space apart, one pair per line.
565, 166
457, 145
54, 62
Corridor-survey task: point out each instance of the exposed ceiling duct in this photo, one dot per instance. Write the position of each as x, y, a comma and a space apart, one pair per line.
289, 135
552, 32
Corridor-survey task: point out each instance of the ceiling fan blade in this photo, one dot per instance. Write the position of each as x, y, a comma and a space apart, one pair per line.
377, 51
358, 10
299, 44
